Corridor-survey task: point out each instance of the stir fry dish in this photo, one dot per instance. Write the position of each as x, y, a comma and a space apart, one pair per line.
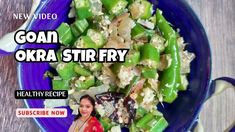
155, 68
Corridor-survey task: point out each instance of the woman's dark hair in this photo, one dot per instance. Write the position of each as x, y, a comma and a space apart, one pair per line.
93, 113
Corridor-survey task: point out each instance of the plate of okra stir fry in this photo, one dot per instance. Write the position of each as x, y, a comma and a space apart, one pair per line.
155, 68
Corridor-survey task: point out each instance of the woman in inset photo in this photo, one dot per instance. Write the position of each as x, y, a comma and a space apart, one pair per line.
86, 121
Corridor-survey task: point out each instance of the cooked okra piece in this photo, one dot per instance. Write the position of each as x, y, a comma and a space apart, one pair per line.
158, 124
138, 31
84, 82
149, 55
140, 112
171, 97
85, 42
82, 8
96, 66
65, 34
60, 85
66, 70
141, 9
132, 58
184, 83
144, 120
114, 6
81, 70
158, 42
97, 37
79, 26
148, 72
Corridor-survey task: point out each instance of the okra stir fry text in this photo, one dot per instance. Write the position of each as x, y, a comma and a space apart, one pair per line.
155, 68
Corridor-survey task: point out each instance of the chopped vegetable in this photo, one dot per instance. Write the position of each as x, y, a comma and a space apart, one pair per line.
149, 56
114, 6
96, 37
81, 71
82, 8
84, 82
66, 70
65, 34
79, 26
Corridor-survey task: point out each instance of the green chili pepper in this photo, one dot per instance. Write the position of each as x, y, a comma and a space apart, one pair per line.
60, 85
97, 37
114, 6
66, 70
65, 34
85, 84
132, 58
81, 71
79, 26
83, 9
148, 72
149, 55
170, 77
142, 122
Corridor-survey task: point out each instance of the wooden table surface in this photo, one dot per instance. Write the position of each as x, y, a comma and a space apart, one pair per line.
218, 18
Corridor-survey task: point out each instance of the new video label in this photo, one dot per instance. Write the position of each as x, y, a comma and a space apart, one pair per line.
41, 94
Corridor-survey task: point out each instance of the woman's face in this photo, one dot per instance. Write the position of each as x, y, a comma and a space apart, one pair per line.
85, 107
